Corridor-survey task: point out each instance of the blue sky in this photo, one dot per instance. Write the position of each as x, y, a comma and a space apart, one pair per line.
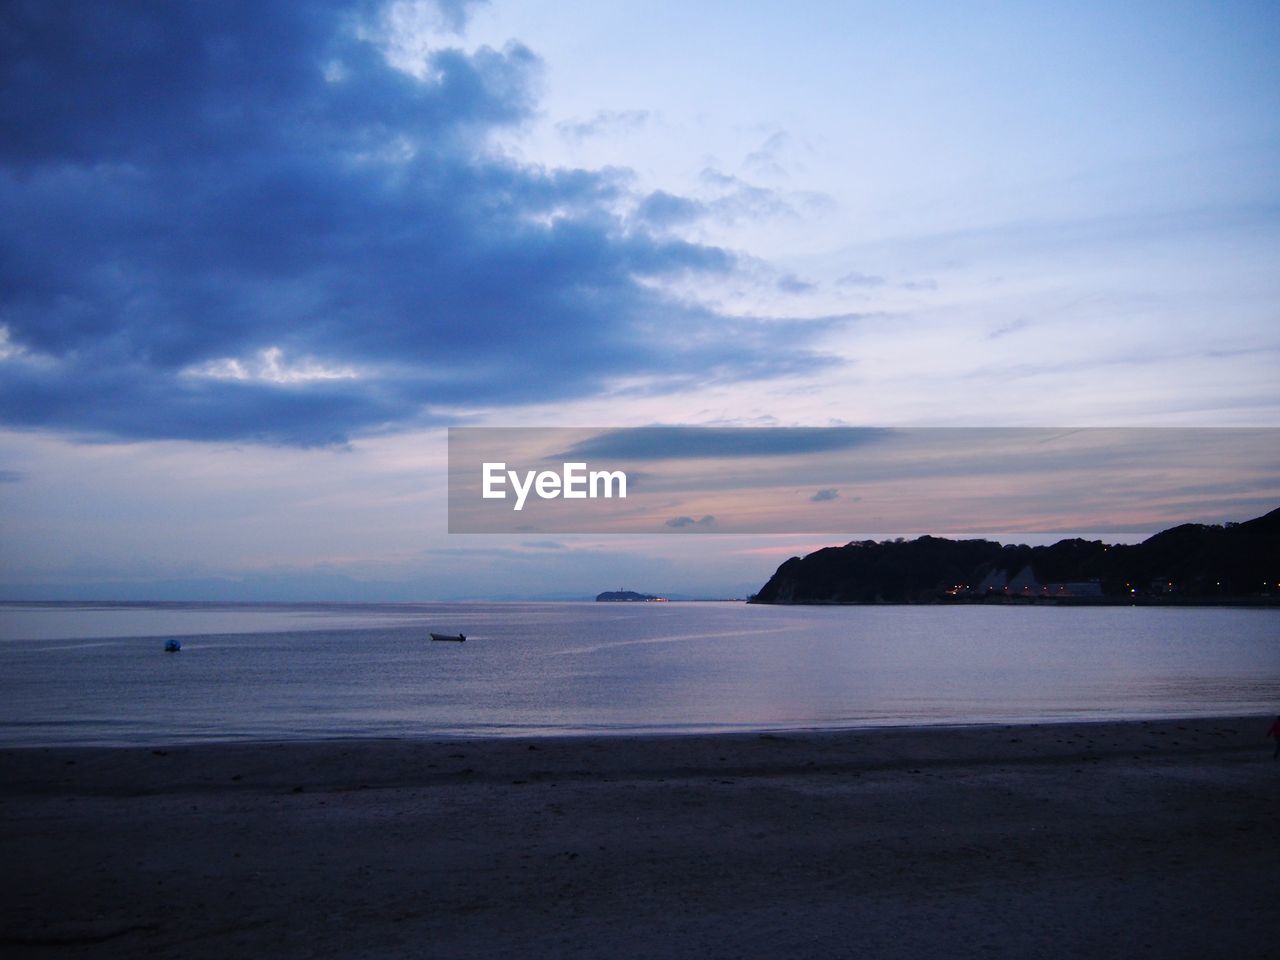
257, 257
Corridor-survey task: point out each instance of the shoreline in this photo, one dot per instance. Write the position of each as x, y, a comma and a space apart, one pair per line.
619, 735
1054, 840
622, 736
208, 765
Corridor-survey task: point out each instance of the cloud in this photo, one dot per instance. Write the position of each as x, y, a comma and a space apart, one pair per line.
790, 283
1004, 330
12, 476
856, 279
241, 222
270, 366
543, 545
739, 200
662, 209
680, 522
603, 122
731, 200
765, 159
675, 443
452, 15
825, 494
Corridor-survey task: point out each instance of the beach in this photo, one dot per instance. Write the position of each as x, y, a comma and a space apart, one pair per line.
1112, 839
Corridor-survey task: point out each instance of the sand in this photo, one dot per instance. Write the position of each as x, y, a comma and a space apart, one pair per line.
1156, 839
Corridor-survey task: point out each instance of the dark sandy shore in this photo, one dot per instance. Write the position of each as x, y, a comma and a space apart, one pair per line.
1157, 839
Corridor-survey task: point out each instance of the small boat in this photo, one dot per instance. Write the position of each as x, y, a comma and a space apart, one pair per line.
172, 646
455, 637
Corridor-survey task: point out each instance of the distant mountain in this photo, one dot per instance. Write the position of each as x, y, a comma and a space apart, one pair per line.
624, 596
1194, 562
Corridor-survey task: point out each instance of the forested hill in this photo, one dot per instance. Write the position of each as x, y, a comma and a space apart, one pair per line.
1193, 561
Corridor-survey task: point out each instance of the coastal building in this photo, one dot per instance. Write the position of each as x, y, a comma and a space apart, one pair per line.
1025, 584
1083, 588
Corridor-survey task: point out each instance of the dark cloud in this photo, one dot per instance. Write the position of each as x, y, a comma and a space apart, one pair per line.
236, 221
825, 494
683, 522
697, 443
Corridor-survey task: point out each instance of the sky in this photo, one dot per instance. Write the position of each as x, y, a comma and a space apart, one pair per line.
256, 259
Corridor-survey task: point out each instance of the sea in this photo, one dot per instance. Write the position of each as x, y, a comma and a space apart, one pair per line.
97, 674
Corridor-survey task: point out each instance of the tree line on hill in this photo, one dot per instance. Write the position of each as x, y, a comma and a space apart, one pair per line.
1192, 562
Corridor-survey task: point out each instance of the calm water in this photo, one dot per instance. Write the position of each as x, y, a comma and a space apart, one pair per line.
97, 673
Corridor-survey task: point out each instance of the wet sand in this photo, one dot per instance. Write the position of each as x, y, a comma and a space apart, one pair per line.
1155, 839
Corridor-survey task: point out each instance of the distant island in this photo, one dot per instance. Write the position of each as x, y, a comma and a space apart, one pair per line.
627, 596
1191, 563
